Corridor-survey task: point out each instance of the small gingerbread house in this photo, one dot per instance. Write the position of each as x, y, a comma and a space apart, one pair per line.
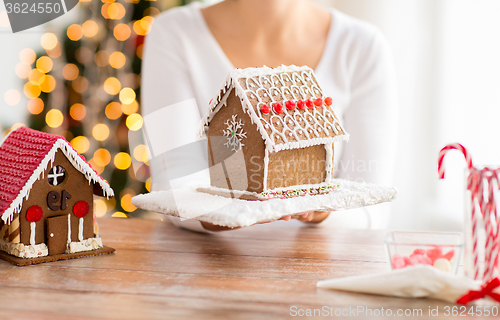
283, 124
46, 197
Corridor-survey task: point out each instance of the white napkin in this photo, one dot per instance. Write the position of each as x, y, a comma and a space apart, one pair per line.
187, 203
419, 281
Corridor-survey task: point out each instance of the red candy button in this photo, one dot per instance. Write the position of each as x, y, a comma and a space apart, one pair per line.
290, 105
309, 104
328, 101
301, 105
80, 209
318, 102
34, 214
278, 107
265, 109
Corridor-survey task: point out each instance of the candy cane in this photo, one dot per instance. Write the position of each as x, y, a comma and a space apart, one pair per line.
455, 146
473, 185
491, 235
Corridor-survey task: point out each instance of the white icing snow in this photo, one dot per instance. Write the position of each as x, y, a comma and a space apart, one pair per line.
38, 173
85, 245
24, 251
191, 204
80, 229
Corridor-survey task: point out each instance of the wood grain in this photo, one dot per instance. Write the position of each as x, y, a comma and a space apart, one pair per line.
161, 272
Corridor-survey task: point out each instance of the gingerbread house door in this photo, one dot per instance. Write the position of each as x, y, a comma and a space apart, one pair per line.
57, 234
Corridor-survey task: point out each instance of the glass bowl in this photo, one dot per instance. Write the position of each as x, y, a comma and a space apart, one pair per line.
438, 249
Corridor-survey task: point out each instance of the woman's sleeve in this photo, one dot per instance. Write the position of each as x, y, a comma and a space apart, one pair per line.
371, 121
165, 82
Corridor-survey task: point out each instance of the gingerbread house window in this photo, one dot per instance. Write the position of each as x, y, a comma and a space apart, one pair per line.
56, 175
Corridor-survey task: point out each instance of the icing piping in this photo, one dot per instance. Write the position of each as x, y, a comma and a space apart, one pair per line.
32, 233
69, 228
266, 169
39, 172
234, 136
80, 229
329, 162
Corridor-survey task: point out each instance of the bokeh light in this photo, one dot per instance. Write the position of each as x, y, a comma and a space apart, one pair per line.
81, 144
12, 97
102, 157
27, 56
126, 202
31, 90
127, 95
83, 54
35, 106
139, 51
121, 32
100, 208
95, 166
119, 214
151, 11
22, 70
122, 161
55, 52
54, 118
101, 58
130, 108
35, 76
4, 20
117, 60
115, 11
48, 41
80, 84
74, 32
147, 185
47, 83
113, 110
112, 86
77, 111
100, 132
141, 153
90, 28
134, 122
44, 64
70, 71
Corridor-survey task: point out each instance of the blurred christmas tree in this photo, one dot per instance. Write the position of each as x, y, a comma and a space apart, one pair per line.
85, 86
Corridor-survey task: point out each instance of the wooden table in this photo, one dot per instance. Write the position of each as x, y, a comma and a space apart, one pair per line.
161, 272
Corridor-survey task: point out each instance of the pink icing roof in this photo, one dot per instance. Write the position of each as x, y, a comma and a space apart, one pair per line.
20, 155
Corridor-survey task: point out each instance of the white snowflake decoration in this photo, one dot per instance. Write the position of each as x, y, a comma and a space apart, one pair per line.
234, 136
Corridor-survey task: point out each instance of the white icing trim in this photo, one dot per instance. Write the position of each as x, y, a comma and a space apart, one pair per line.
69, 228
85, 245
32, 233
266, 169
38, 173
329, 162
80, 229
24, 251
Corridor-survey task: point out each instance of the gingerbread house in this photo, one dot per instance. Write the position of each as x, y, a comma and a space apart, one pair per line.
46, 198
283, 126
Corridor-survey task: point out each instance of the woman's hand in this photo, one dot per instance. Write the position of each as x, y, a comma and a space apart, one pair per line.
308, 217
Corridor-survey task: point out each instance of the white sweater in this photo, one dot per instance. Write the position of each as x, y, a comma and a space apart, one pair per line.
182, 61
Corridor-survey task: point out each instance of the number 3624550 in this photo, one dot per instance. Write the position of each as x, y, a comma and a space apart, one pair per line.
34, 8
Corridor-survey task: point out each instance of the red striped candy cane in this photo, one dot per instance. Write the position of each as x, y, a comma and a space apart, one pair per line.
473, 185
455, 146
490, 218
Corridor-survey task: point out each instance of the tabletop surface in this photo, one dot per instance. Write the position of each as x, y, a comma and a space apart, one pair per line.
161, 272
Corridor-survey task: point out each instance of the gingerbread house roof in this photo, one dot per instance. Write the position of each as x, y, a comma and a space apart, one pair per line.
287, 105
24, 156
